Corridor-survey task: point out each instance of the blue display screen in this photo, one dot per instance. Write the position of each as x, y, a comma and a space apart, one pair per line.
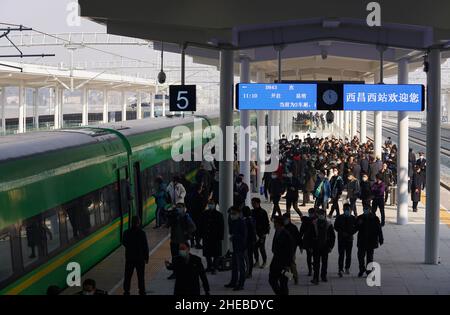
297, 96
384, 97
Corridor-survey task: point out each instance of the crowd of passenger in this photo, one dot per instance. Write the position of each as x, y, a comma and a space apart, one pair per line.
321, 175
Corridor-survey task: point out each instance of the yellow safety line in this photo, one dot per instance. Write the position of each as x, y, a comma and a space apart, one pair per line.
444, 214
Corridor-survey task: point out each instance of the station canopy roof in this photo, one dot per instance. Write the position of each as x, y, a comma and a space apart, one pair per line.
307, 31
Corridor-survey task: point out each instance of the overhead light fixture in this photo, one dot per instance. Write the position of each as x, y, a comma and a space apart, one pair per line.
331, 23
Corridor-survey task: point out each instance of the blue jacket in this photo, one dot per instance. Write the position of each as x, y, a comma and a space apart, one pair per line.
160, 196
326, 187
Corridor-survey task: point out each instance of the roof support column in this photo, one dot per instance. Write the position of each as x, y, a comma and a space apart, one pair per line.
433, 158
261, 123
124, 106
36, 108
354, 125
2, 110
105, 107
138, 106
402, 161
342, 125
22, 109
85, 109
164, 104
244, 145
363, 126
152, 105
377, 120
226, 119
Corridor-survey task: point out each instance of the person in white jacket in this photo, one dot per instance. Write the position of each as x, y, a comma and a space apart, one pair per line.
176, 191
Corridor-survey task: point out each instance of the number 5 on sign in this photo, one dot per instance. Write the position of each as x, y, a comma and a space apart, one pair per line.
182, 98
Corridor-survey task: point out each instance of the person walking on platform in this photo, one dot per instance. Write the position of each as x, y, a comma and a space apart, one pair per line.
212, 231
267, 179
416, 186
370, 236
176, 191
282, 246
306, 237
337, 186
422, 163
387, 178
310, 180
195, 204
366, 191
292, 186
189, 271
323, 240
161, 197
345, 226
251, 239
238, 235
182, 228
296, 241
262, 227
136, 255
240, 191
353, 192
322, 191
277, 189
378, 197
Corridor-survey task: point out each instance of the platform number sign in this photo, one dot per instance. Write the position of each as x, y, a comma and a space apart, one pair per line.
182, 98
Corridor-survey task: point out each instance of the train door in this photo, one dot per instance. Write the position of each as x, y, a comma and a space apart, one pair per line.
124, 198
138, 190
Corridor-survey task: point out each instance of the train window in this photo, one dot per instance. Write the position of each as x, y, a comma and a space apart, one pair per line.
69, 227
31, 236
6, 267
51, 233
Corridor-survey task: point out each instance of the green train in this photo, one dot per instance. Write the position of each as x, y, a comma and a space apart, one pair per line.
67, 195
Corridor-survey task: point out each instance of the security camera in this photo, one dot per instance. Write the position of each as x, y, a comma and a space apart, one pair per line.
161, 77
324, 54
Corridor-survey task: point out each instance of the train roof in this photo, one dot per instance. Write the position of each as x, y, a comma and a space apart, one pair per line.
28, 144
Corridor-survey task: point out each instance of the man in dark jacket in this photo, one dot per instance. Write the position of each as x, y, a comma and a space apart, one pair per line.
387, 178
292, 186
306, 237
195, 204
345, 225
136, 255
212, 232
337, 186
370, 235
240, 191
262, 229
364, 165
282, 246
366, 191
378, 197
422, 163
296, 241
189, 271
277, 189
322, 244
416, 186
251, 239
238, 235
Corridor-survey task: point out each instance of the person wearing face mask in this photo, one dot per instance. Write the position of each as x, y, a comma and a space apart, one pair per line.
262, 227
89, 288
322, 191
176, 190
296, 241
416, 186
240, 191
136, 255
353, 192
366, 191
310, 180
422, 163
306, 237
292, 186
345, 226
323, 239
277, 189
337, 186
282, 246
378, 197
370, 236
238, 236
189, 272
182, 229
212, 232
387, 178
